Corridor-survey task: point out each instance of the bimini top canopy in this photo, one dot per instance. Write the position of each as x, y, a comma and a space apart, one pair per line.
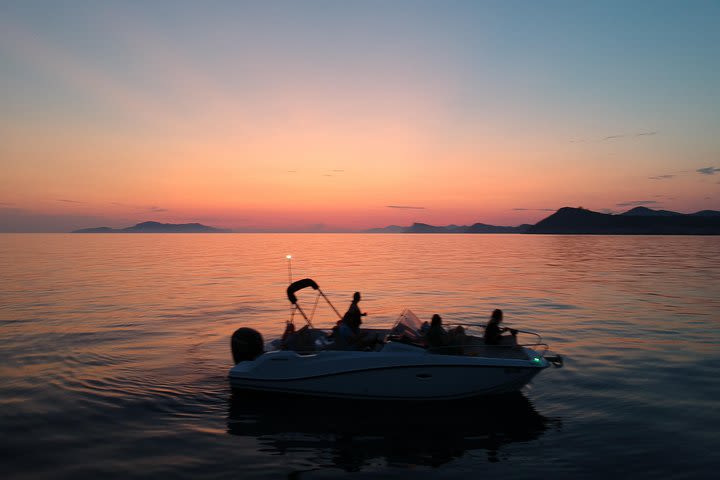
299, 285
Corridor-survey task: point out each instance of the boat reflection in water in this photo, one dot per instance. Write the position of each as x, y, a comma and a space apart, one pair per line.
350, 434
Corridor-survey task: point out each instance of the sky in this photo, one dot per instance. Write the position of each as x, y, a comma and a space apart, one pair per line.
347, 115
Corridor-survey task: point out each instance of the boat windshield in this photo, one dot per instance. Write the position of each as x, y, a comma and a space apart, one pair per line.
408, 327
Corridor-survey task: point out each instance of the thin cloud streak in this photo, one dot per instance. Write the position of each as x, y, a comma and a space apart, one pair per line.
637, 203
667, 176
519, 209
624, 135
142, 208
708, 170
405, 207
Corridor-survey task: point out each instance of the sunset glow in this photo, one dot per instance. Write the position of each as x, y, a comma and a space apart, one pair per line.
342, 116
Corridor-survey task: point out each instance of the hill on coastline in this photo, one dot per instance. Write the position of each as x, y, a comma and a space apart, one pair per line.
156, 227
643, 221
568, 220
425, 228
649, 212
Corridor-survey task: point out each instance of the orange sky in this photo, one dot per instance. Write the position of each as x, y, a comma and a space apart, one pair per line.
262, 121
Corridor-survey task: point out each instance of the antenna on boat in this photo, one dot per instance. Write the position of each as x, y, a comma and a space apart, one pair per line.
289, 323
289, 259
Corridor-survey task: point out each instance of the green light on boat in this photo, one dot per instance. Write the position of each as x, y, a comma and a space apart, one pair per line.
536, 359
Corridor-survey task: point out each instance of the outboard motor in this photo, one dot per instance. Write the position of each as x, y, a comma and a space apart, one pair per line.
246, 344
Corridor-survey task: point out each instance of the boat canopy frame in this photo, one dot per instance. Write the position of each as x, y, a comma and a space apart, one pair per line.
300, 285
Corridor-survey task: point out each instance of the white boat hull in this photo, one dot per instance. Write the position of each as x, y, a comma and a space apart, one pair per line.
398, 373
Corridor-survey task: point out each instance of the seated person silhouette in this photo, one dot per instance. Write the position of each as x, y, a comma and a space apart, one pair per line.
493, 331
436, 336
446, 342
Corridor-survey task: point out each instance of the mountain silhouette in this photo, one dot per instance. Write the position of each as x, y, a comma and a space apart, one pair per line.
388, 229
569, 220
483, 228
426, 228
156, 227
648, 212
636, 221
706, 213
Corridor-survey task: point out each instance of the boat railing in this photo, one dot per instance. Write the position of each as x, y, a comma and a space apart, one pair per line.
483, 326
463, 343
474, 345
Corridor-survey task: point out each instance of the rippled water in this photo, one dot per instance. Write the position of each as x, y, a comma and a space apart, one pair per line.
114, 354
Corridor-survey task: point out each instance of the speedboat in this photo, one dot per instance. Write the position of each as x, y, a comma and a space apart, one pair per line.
393, 364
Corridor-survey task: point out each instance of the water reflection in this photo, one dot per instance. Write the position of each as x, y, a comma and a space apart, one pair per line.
351, 434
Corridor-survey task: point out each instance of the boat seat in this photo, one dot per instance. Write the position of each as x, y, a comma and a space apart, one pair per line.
415, 342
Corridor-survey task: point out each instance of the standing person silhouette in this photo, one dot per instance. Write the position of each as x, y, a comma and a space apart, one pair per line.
353, 317
348, 329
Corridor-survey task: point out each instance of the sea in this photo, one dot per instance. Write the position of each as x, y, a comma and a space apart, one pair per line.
115, 350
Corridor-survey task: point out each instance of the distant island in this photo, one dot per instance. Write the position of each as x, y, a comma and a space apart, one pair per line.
156, 227
568, 220
475, 228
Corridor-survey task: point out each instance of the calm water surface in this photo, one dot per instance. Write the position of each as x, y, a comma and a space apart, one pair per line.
114, 351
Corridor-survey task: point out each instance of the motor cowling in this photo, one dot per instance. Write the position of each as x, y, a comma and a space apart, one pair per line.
246, 344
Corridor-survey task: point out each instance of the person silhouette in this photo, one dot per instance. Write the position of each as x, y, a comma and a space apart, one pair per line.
353, 316
493, 331
436, 335
348, 329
